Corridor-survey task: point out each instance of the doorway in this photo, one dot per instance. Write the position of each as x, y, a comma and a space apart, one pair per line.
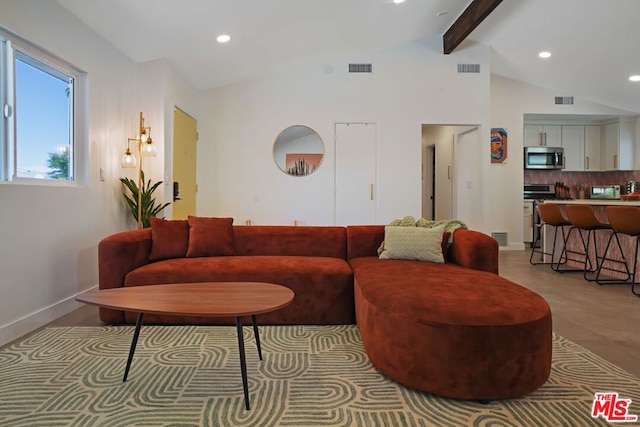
185, 150
451, 178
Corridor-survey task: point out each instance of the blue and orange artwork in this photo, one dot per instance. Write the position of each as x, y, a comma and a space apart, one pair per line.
498, 145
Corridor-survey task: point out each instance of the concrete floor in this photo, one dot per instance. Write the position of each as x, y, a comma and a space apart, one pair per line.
603, 319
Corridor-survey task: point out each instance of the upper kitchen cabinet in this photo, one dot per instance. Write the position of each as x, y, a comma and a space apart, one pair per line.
592, 148
618, 146
542, 135
573, 144
582, 147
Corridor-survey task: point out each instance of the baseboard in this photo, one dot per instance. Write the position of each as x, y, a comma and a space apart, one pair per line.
513, 247
24, 325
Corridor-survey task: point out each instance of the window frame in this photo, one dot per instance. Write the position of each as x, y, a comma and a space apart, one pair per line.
12, 48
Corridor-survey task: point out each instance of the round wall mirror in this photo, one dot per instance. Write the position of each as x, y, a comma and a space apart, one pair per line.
298, 150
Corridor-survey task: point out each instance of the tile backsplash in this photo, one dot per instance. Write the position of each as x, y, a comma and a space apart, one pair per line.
587, 178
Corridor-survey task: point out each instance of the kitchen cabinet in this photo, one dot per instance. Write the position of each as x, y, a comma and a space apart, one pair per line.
542, 135
573, 144
618, 146
592, 148
582, 147
527, 223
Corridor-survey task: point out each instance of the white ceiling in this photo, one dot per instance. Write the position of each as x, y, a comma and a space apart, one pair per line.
595, 43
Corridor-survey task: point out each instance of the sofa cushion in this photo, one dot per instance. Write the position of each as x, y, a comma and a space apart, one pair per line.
316, 241
413, 243
401, 287
323, 286
210, 236
169, 238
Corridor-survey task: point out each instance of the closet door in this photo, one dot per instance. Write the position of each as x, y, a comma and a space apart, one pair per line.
355, 173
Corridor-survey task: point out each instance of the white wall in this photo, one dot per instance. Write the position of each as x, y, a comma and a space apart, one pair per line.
162, 89
510, 100
49, 235
411, 85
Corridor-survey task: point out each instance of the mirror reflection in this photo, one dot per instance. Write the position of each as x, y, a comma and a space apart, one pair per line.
298, 150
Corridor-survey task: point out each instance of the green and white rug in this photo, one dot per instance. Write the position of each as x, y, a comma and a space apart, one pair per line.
310, 376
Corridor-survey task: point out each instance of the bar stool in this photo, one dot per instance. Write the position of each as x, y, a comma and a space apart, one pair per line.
625, 220
583, 219
550, 214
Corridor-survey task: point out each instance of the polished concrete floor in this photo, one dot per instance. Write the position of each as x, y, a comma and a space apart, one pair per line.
603, 319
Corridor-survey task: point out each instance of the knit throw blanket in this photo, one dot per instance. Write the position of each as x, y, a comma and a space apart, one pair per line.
449, 225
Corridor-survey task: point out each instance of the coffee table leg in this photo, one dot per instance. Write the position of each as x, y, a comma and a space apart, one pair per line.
243, 362
134, 342
256, 334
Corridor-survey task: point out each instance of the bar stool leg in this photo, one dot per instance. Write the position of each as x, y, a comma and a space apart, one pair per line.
635, 265
542, 251
564, 255
598, 280
588, 265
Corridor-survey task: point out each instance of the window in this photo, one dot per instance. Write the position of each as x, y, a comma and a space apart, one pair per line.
39, 96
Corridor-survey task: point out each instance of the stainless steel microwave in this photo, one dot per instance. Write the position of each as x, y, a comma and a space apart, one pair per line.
543, 157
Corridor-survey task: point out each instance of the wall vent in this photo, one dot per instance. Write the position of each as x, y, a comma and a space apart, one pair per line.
564, 100
502, 237
468, 68
360, 68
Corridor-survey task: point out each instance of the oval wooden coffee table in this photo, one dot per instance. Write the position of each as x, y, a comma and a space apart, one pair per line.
209, 299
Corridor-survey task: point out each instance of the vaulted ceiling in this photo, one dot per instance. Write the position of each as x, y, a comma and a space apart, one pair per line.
595, 44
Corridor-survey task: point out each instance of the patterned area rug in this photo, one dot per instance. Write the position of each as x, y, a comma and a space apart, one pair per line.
310, 376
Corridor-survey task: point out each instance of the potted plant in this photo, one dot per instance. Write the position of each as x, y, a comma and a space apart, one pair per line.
148, 202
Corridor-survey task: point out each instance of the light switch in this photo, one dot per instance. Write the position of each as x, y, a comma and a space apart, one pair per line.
101, 174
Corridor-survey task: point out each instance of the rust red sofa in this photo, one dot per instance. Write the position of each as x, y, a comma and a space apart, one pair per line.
455, 329
309, 260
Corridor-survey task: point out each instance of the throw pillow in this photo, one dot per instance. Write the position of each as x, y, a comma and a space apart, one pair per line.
169, 238
413, 243
210, 236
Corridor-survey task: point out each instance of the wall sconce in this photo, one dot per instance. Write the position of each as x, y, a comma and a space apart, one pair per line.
145, 148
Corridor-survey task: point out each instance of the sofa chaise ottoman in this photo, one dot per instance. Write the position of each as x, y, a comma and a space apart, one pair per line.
455, 329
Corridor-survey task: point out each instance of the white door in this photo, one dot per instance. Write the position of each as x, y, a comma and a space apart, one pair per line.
355, 173
467, 178
443, 198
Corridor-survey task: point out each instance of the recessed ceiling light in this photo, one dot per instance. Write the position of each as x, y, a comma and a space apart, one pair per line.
398, 1
442, 13
223, 38
635, 78
544, 54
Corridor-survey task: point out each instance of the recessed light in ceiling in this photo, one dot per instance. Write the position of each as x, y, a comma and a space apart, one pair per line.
223, 38
544, 54
442, 13
635, 78
398, 1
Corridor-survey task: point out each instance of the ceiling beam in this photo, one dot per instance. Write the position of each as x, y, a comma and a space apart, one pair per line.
472, 16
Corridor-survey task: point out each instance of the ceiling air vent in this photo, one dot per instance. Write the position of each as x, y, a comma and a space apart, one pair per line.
468, 68
360, 68
564, 100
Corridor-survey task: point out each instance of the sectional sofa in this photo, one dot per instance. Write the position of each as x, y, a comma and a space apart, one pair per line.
451, 327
